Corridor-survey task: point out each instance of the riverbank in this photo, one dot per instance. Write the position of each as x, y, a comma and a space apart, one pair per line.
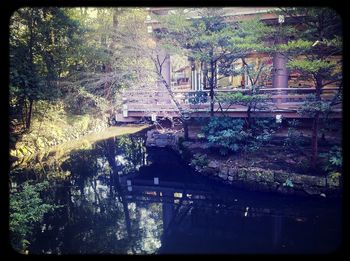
25, 153
270, 169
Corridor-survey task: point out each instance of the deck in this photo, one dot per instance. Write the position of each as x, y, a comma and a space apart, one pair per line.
143, 103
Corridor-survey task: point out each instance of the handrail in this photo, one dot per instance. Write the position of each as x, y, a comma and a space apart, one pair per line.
261, 89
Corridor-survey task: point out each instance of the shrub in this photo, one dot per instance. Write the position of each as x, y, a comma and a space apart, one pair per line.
227, 133
231, 135
294, 139
200, 160
334, 159
27, 209
197, 97
261, 133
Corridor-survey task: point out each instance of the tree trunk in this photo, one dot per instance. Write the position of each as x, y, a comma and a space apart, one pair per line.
118, 188
178, 105
314, 141
249, 116
185, 126
211, 85
315, 125
29, 115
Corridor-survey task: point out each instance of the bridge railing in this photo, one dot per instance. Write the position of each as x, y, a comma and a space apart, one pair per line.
279, 96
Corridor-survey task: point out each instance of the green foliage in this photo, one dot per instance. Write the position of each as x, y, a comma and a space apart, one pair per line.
212, 42
197, 97
241, 98
40, 41
200, 160
226, 132
318, 39
261, 132
231, 135
288, 183
312, 105
295, 47
27, 209
314, 66
334, 159
294, 139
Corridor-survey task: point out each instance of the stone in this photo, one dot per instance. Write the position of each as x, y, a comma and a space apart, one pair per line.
312, 180
280, 176
213, 164
312, 190
334, 181
252, 176
208, 170
223, 176
224, 169
232, 171
241, 174
267, 175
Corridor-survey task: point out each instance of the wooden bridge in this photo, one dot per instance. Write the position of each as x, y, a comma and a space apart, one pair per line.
157, 103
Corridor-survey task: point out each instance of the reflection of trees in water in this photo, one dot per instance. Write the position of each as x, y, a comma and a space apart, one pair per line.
96, 217
131, 153
147, 227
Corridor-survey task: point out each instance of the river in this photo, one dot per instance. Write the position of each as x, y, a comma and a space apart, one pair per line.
124, 198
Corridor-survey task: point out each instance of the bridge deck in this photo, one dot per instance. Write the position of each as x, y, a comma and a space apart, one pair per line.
140, 103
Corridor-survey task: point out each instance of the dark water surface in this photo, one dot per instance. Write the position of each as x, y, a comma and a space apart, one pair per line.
111, 205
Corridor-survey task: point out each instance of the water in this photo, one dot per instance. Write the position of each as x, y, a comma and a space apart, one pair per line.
111, 205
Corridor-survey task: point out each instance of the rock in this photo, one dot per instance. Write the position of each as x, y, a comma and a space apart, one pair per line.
224, 169
312, 180
311, 190
210, 171
232, 171
213, 164
252, 176
241, 174
281, 176
333, 181
267, 175
223, 176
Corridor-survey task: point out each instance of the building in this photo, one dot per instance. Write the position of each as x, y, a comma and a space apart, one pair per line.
279, 76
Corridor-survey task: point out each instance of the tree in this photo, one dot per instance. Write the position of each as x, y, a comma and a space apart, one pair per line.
252, 97
40, 41
212, 41
110, 63
314, 56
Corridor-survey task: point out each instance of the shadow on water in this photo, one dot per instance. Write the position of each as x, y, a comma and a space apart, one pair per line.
122, 198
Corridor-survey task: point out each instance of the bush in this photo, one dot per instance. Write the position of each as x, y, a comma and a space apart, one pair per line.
294, 139
261, 133
334, 159
227, 133
27, 209
197, 97
200, 160
231, 135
